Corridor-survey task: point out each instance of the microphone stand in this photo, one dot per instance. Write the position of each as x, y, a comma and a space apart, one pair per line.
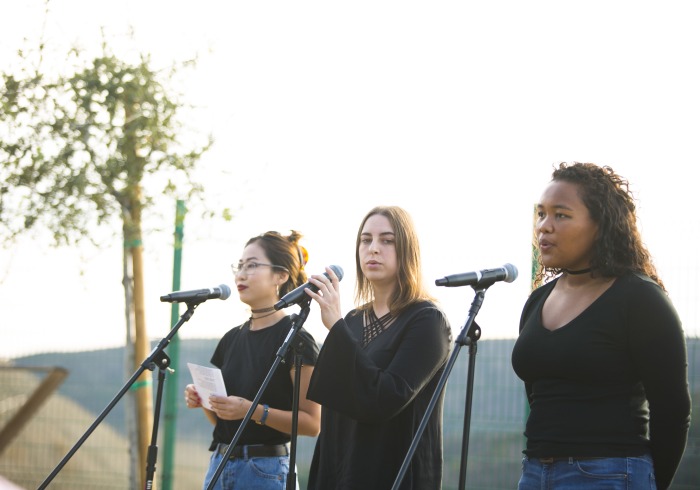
292, 475
152, 454
156, 357
297, 322
470, 334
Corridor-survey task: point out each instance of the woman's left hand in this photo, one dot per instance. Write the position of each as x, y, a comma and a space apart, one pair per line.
229, 407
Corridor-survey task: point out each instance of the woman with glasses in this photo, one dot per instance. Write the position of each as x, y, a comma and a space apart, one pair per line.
379, 366
271, 266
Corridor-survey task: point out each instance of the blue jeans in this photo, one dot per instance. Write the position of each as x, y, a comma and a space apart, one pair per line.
268, 473
631, 473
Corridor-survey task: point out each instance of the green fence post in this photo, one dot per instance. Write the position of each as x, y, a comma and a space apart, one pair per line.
172, 389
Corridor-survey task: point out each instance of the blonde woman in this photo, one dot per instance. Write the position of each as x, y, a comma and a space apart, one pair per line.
379, 365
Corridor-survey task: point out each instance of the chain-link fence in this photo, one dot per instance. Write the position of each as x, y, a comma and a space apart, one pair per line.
103, 461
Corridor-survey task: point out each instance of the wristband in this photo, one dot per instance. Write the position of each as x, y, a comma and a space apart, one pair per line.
266, 411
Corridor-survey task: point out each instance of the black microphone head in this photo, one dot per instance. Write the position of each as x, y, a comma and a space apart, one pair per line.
511, 273
299, 294
337, 270
225, 291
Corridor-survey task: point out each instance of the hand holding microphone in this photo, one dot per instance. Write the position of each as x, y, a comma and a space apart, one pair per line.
325, 291
299, 294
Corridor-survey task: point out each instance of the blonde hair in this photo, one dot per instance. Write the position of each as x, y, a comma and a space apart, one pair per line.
409, 281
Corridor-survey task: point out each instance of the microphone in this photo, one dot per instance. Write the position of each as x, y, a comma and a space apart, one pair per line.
198, 295
487, 277
298, 295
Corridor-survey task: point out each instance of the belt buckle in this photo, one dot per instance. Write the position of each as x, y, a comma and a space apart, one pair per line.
222, 448
546, 460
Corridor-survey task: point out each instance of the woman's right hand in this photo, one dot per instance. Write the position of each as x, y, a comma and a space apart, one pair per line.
327, 296
192, 399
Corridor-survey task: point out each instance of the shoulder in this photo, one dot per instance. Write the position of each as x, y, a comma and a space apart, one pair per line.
634, 281
309, 347
641, 294
233, 333
282, 329
638, 290
307, 337
425, 307
426, 313
226, 343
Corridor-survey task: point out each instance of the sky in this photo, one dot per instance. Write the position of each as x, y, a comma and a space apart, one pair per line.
456, 111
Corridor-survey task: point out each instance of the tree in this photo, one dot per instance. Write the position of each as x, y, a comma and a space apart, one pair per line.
75, 150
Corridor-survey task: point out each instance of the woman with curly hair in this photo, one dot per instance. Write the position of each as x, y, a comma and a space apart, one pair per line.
601, 348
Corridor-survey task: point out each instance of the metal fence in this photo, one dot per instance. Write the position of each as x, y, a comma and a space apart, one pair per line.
103, 461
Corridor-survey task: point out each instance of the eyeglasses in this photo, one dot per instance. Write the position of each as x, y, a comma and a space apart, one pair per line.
251, 268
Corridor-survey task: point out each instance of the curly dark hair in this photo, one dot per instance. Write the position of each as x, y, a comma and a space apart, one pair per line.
618, 248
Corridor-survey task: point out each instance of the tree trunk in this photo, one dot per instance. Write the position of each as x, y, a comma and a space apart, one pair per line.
130, 399
144, 394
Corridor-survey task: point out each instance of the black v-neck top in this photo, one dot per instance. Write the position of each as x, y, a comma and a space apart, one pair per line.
612, 382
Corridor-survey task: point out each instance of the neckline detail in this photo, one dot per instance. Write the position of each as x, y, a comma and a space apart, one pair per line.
249, 323
578, 272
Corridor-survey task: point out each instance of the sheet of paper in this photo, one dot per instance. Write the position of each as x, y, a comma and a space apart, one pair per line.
208, 381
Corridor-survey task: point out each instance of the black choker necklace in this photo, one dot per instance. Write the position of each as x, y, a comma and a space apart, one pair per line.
261, 316
581, 271
263, 310
270, 310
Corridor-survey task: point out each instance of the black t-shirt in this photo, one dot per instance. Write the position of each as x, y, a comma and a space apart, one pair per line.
612, 382
245, 358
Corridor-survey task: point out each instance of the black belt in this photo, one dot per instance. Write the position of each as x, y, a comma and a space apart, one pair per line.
554, 459
254, 451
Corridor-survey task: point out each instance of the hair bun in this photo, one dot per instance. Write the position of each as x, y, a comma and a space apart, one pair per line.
303, 256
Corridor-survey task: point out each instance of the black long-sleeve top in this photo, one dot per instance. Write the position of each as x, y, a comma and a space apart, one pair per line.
612, 382
373, 400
